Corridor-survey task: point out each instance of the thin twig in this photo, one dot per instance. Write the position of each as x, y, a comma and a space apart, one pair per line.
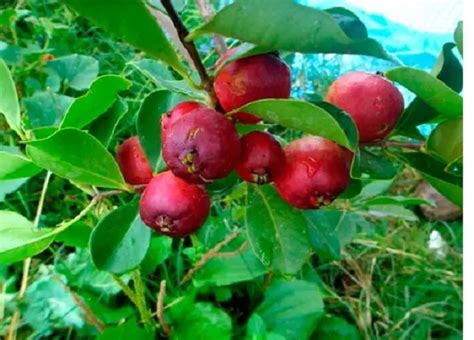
27, 262
160, 310
209, 255
90, 317
207, 13
206, 80
396, 144
236, 252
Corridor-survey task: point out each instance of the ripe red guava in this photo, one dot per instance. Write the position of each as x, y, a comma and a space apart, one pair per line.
261, 158
202, 146
177, 112
316, 171
250, 79
172, 206
373, 102
133, 163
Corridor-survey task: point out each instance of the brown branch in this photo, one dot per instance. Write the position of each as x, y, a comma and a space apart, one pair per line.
209, 255
396, 144
160, 309
236, 252
207, 13
206, 80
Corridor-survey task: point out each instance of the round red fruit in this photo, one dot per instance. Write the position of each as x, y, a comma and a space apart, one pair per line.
133, 163
250, 79
261, 159
173, 207
176, 113
317, 170
202, 146
373, 102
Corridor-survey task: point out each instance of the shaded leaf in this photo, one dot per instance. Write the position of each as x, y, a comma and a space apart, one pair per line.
120, 241
103, 128
46, 108
15, 165
75, 70
157, 253
446, 140
9, 105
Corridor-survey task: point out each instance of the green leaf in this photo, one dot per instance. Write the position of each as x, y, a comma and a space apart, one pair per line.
100, 97
164, 79
446, 140
307, 117
15, 165
201, 320
229, 270
120, 241
276, 231
126, 331
9, 105
77, 156
433, 171
46, 108
75, 70
103, 128
395, 211
458, 37
149, 123
352, 26
306, 30
22, 240
242, 51
323, 238
397, 200
140, 29
335, 328
10, 186
158, 252
449, 70
377, 166
431, 90
76, 235
291, 308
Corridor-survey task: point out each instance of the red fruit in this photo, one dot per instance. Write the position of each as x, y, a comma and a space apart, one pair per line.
202, 146
372, 101
176, 113
172, 206
250, 79
261, 159
316, 171
133, 162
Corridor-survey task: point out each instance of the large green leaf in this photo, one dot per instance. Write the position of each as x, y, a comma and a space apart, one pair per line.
458, 37
75, 70
20, 240
276, 231
77, 156
149, 123
200, 320
434, 172
229, 270
446, 139
449, 70
335, 328
100, 97
286, 25
127, 330
46, 108
103, 128
291, 308
323, 120
9, 105
323, 238
157, 253
120, 240
376, 165
430, 89
13, 164
131, 21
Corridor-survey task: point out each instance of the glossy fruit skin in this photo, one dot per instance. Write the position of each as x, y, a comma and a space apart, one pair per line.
133, 163
173, 207
262, 158
176, 113
202, 146
373, 102
317, 170
250, 79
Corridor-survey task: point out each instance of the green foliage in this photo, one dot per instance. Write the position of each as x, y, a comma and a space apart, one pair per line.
9, 105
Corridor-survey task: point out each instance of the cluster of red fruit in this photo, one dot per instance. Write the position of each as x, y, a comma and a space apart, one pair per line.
201, 145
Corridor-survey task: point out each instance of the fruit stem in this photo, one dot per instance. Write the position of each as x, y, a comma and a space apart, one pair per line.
396, 144
206, 80
141, 300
